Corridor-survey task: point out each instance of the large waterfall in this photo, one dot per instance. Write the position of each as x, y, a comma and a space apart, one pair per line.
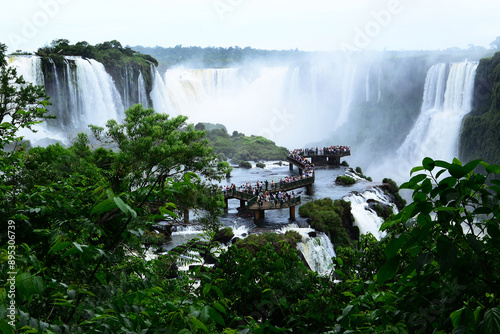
293, 104
81, 93
88, 97
447, 98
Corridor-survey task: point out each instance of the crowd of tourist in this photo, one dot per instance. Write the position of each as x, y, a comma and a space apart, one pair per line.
265, 192
272, 192
338, 150
297, 155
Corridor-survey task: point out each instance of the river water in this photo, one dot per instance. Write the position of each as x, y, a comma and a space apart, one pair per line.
318, 250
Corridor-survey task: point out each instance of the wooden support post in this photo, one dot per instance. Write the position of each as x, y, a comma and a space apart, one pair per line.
309, 189
226, 202
242, 203
292, 213
258, 215
186, 216
300, 171
290, 165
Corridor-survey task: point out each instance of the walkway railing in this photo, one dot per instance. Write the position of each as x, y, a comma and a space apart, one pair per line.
278, 186
325, 154
296, 162
279, 204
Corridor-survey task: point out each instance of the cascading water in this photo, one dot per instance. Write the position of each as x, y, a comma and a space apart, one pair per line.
142, 94
436, 131
316, 248
365, 218
81, 93
448, 95
29, 67
97, 98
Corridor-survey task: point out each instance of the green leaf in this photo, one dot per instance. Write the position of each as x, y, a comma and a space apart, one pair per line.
455, 317
59, 245
426, 186
471, 165
206, 288
457, 171
220, 308
416, 169
78, 246
394, 246
493, 231
388, 270
5, 327
417, 178
428, 164
495, 169
198, 324
492, 320
103, 207
475, 243
121, 205
216, 316
124, 207
347, 310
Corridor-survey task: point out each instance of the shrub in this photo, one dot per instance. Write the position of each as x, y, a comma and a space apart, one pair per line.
245, 164
345, 180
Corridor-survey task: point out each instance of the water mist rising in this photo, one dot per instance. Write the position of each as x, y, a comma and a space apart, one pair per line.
293, 105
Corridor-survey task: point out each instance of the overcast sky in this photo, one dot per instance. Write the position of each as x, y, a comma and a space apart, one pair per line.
267, 24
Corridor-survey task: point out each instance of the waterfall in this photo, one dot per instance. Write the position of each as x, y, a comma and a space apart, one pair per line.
143, 97
348, 88
316, 248
365, 218
291, 105
81, 93
98, 97
30, 67
447, 99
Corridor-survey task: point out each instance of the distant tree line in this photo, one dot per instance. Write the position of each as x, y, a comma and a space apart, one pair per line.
214, 56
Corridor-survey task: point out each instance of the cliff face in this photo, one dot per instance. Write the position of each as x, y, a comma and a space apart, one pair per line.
480, 137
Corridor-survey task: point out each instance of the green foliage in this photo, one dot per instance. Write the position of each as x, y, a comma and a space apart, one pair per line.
260, 165
359, 172
437, 271
270, 290
253, 243
344, 180
240, 147
245, 164
331, 217
393, 189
